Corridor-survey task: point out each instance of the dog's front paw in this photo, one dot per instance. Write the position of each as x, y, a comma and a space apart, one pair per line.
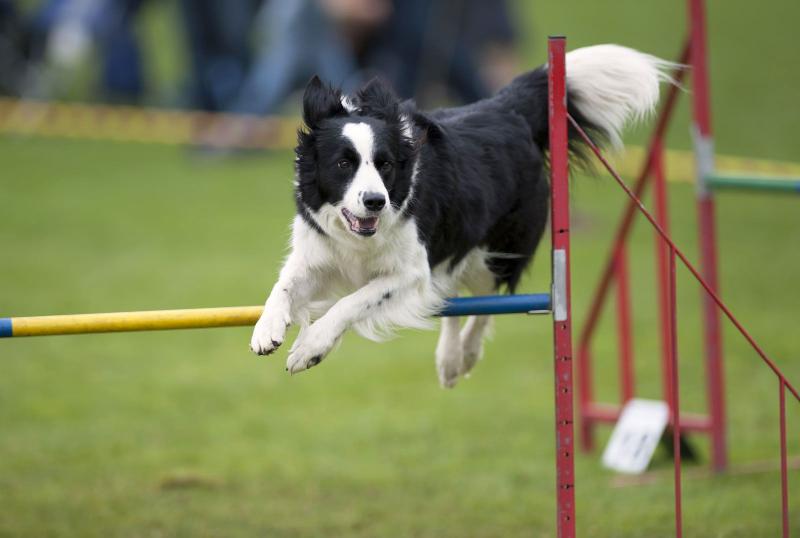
269, 332
312, 345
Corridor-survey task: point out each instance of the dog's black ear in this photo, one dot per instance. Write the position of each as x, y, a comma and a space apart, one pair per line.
431, 132
378, 99
321, 102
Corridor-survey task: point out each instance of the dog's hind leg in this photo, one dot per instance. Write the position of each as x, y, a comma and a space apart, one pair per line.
480, 281
472, 341
448, 353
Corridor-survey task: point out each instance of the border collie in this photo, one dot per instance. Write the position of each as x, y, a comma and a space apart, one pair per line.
398, 209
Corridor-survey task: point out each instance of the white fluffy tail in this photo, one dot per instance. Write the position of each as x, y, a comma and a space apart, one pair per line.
612, 85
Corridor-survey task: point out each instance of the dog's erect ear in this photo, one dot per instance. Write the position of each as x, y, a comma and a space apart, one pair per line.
321, 102
378, 99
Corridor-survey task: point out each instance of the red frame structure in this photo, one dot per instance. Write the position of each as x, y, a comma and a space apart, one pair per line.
677, 422
593, 412
615, 271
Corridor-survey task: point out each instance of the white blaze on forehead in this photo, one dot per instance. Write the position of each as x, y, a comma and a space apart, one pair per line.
362, 137
367, 178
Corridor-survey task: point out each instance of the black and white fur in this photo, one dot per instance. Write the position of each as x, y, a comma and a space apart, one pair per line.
398, 209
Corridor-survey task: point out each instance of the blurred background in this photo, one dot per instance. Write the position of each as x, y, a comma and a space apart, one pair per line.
145, 163
248, 56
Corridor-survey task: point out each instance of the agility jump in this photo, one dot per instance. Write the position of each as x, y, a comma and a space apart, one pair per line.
557, 303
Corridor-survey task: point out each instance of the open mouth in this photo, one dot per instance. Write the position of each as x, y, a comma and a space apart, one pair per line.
362, 226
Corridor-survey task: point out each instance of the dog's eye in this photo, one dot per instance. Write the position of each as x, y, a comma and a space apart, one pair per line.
386, 167
344, 164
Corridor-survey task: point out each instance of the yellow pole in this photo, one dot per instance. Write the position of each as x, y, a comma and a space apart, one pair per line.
133, 321
237, 316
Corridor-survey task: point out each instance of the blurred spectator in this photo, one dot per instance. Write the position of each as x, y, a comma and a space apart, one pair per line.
248, 56
489, 26
61, 37
444, 44
219, 38
300, 38
120, 50
63, 34
413, 43
303, 38
424, 44
14, 48
416, 44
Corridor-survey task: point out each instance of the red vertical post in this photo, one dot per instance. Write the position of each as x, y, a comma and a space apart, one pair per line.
585, 396
662, 266
784, 471
562, 316
675, 404
624, 333
704, 155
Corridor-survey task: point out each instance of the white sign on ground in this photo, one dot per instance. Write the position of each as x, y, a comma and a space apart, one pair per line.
635, 437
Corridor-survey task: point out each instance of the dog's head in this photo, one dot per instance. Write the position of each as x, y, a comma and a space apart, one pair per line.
354, 160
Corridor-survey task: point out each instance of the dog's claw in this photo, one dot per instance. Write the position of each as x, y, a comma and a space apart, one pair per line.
296, 363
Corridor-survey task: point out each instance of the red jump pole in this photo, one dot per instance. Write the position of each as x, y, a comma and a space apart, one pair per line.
784, 472
562, 316
704, 155
662, 266
624, 332
675, 403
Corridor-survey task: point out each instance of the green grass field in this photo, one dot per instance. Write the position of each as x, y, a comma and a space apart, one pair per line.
188, 434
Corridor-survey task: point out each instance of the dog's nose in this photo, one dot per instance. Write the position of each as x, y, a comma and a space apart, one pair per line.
374, 201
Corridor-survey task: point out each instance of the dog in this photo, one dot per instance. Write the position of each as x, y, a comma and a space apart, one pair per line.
398, 209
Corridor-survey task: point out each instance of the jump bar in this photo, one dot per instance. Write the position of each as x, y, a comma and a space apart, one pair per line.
538, 303
235, 316
734, 182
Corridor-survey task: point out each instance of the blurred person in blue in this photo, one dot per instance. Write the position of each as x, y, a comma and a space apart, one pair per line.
446, 50
296, 40
302, 38
219, 35
63, 34
419, 46
412, 43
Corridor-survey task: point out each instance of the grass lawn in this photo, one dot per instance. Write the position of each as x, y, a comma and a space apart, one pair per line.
188, 434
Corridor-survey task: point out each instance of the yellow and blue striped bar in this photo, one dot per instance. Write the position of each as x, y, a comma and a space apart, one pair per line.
235, 316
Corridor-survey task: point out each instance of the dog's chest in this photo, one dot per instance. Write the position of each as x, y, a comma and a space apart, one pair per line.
398, 254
